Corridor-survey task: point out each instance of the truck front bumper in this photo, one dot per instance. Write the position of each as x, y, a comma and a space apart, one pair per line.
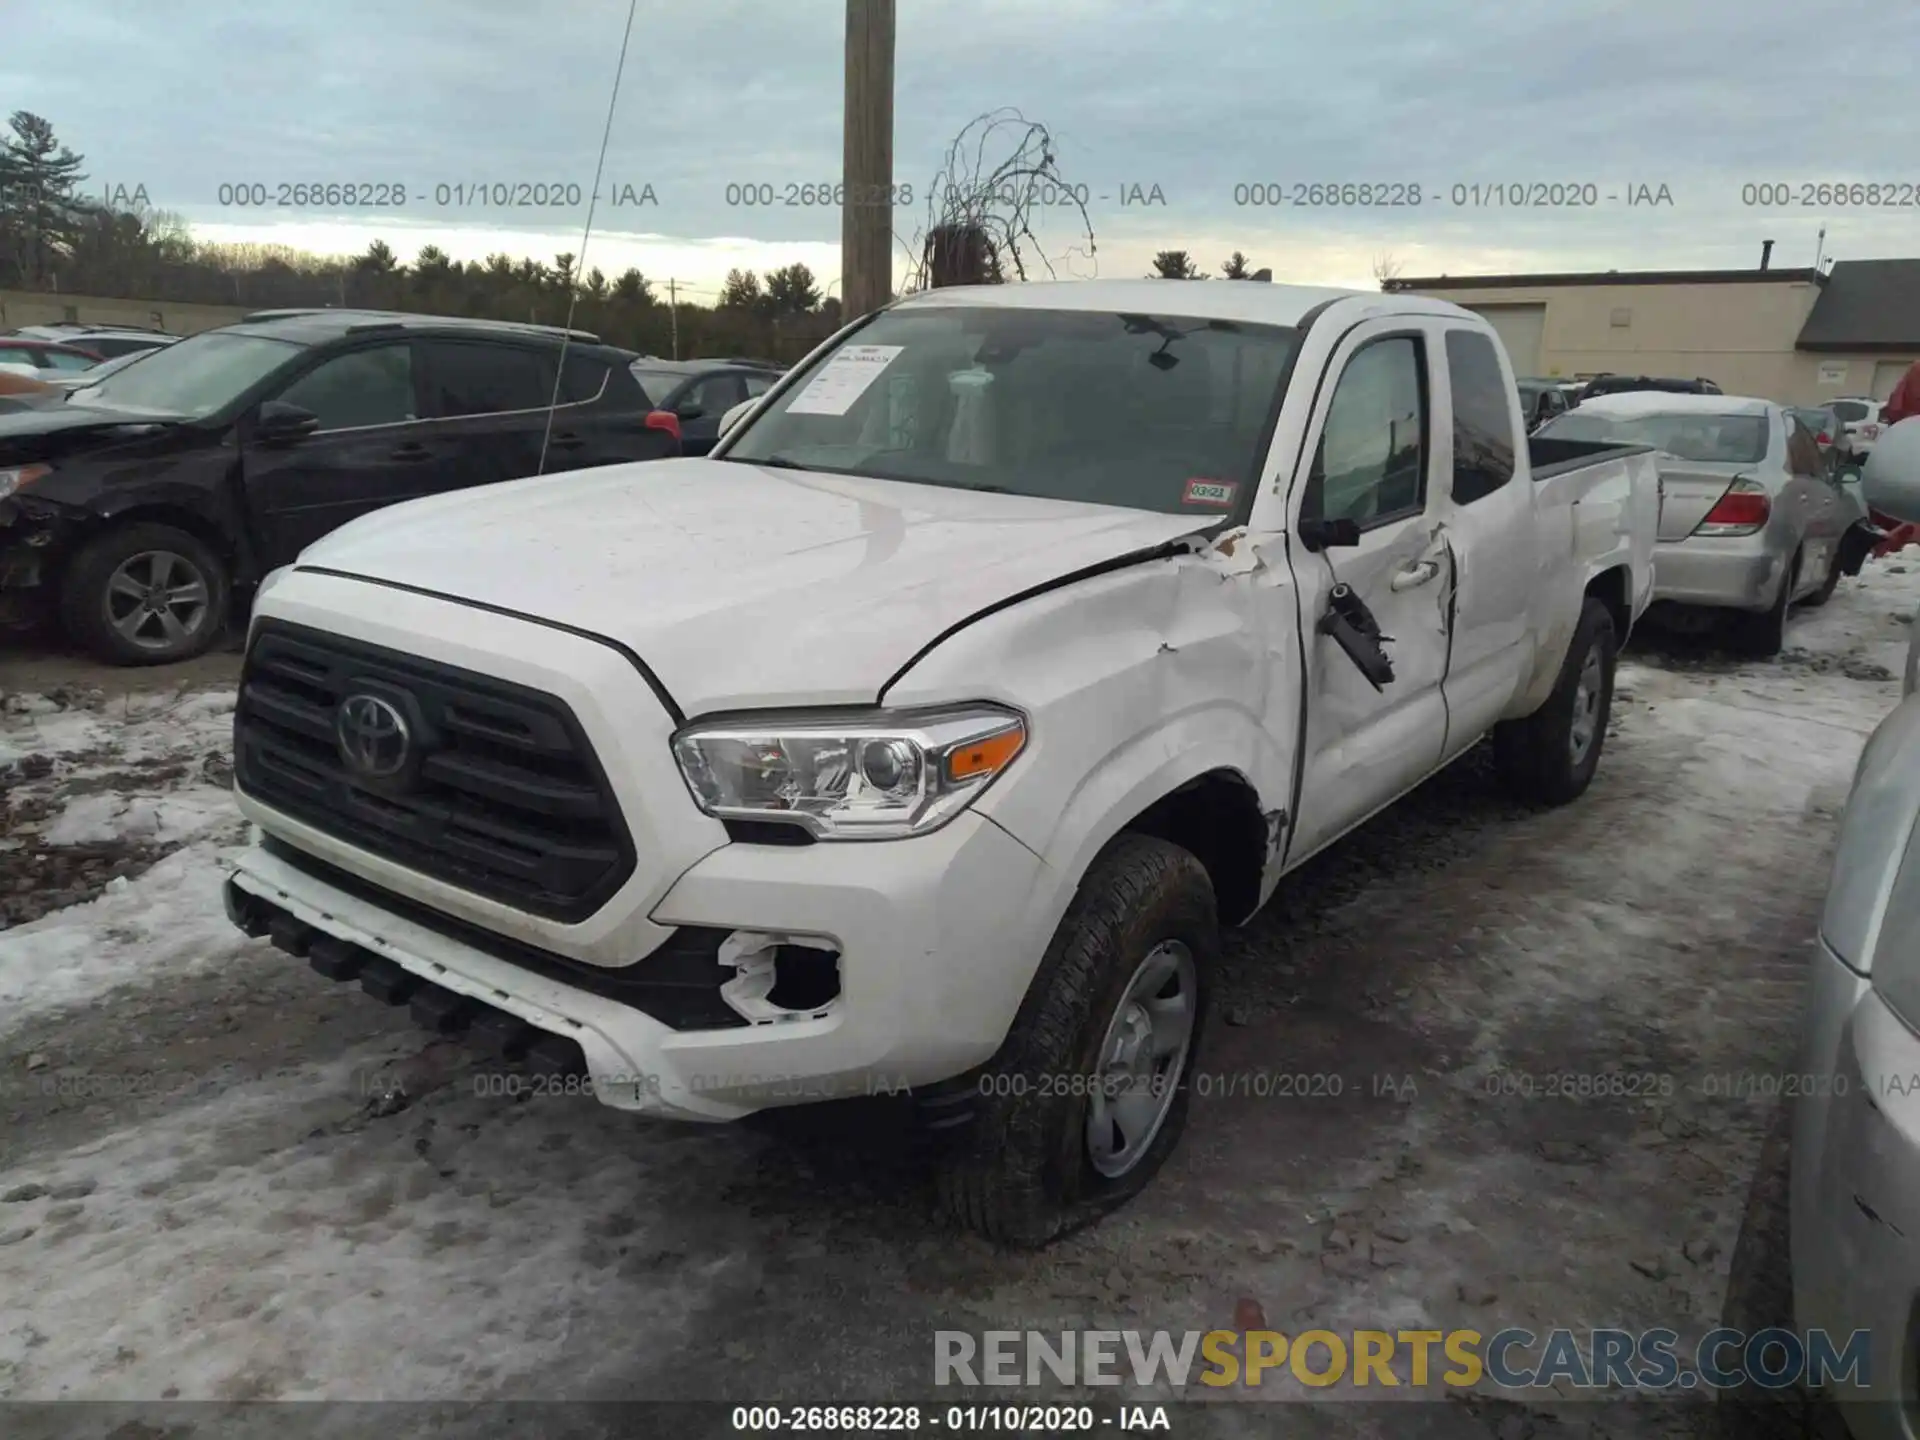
928, 939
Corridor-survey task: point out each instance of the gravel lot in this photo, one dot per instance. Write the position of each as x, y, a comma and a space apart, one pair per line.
222, 1178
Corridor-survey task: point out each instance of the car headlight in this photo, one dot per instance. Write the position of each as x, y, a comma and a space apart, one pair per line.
20, 477
874, 775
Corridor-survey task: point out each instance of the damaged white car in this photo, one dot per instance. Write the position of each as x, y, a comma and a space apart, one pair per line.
925, 736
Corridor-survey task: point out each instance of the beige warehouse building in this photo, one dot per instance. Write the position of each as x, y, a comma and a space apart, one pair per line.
1800, 337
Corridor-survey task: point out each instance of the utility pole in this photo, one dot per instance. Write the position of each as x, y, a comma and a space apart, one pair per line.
673, 315
866, 210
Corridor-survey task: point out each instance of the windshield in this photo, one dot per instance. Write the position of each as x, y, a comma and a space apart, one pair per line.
657, 384
1708, 439
1850, 409
195, 376
1149, 412
90, 378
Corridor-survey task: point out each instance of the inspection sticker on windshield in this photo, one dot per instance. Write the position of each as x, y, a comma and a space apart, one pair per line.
843, 380
1209, 492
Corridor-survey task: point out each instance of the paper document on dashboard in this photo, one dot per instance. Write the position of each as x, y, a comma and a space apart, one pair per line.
843, 380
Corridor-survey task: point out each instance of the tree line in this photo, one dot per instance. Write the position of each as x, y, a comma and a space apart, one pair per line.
54, 238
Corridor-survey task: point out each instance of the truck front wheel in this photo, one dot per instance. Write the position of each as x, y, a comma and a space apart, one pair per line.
1549, 757
1088, 1096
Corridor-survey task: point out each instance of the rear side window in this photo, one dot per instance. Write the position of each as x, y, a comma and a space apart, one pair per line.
1483, 439
582, 378
479, 379
1803, 454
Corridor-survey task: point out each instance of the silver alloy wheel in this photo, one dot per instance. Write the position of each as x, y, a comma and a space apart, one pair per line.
1142, 1058
1586, 704
157, 599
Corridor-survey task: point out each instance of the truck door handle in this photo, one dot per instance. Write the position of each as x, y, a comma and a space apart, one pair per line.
412, 450
569, 441
1415, 575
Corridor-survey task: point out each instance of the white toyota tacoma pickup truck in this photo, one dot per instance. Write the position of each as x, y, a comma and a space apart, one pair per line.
924, 737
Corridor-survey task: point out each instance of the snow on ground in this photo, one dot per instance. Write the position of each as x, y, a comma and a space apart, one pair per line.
97, 789
162, 924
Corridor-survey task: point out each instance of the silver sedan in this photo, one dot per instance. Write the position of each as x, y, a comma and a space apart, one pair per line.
1855, 1182
1750, 523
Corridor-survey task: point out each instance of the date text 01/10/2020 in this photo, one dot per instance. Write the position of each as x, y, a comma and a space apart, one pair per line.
1412, 194
445, 195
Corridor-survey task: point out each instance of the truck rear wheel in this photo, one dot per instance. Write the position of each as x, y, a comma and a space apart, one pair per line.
1088, 1096
144, 594
1549, 757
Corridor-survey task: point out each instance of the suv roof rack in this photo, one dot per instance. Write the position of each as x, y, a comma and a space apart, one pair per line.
382, 319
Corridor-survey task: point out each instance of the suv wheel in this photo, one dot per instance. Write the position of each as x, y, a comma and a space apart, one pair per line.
145, 594
1089, 1095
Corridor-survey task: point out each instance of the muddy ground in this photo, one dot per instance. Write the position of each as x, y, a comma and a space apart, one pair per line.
223, 1179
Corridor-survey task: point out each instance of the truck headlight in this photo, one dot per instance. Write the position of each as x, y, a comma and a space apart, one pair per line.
871, 775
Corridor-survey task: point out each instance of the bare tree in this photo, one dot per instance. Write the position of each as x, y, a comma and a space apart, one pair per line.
1386, 269
999, 170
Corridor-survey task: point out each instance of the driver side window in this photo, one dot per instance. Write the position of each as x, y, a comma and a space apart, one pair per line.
1371, 462
358, 389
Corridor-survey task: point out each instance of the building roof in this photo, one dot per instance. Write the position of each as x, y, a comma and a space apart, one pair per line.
1866, 305
1607, 277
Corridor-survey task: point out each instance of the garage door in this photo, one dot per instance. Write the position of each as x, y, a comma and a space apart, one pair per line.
1886, 375
1521, 328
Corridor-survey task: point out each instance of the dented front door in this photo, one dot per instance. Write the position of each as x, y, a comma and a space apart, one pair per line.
1372, 461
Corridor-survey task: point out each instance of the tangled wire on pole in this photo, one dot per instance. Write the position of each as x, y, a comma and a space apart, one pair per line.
981, 210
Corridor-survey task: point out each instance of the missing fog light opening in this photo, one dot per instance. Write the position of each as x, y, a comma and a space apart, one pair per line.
780, 977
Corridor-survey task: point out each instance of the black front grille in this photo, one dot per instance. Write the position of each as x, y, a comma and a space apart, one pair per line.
503, 795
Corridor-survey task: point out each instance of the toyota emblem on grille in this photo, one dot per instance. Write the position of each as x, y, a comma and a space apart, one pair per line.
374, 739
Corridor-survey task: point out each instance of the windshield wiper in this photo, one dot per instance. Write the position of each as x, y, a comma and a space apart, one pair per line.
772, 462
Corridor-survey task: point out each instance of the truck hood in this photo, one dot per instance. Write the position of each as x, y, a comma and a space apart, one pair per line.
742, 586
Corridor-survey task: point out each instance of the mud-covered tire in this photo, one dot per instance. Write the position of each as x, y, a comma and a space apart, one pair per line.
86, 601
1537, 758
1022, 1173
1762, 636
1827, 586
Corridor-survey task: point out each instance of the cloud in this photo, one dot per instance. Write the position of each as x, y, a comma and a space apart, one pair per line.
721, 100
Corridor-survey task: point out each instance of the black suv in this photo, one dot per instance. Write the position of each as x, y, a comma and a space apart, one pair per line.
133, 508
700, 392
1627, 384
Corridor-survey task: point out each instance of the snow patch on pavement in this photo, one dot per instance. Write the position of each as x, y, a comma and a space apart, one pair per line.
220, 1254
166, 922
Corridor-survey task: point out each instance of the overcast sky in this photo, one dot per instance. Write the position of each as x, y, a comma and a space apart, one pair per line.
1703, 97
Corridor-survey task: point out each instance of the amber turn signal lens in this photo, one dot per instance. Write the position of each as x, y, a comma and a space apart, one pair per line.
985, 757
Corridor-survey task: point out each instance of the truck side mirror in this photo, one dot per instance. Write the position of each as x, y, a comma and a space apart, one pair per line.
1319, 535
735, 413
